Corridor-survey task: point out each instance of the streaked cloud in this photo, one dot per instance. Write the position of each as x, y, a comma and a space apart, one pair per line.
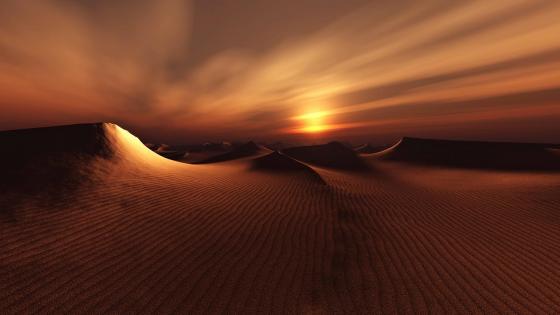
422, 60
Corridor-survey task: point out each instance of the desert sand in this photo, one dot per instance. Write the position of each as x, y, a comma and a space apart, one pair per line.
92, 221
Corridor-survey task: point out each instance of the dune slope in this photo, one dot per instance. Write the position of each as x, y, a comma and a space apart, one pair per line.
151, 235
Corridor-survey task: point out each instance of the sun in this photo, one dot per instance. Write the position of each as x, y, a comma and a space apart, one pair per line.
314, 128
312, 122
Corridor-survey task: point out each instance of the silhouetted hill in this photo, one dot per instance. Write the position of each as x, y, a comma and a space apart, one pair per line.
474, 154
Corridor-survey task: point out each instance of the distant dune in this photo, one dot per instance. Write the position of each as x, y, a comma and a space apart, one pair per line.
245, 150
332, 155
368, 148
475, 154
279, 162
92, 221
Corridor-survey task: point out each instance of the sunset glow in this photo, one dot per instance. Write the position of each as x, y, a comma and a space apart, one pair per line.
312, 122
312, 128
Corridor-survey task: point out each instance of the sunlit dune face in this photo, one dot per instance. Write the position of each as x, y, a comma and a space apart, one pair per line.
131, 147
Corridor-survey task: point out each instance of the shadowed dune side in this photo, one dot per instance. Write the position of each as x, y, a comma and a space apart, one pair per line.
245, 150
331, 155
281, 163
474, 154
50, 161
173, 155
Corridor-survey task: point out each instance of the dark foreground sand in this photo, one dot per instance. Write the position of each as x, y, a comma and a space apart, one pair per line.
94, 222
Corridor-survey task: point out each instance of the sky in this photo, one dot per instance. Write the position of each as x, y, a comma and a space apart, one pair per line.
180, 71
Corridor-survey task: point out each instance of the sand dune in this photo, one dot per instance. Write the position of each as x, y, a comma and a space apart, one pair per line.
245, 150
332, 155
52, 162
279, 162
475, 154
150, 235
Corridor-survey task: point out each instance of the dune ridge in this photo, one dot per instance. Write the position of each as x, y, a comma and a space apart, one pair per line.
158, 236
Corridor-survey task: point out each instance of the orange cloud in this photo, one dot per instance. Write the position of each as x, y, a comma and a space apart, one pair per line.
123, 61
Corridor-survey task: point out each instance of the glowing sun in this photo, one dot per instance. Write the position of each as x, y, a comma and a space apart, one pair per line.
312, 122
